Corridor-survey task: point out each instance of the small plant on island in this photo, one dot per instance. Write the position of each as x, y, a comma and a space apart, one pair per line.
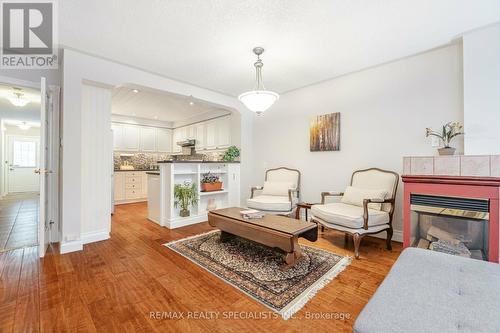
231, 154
185, 195
210, 182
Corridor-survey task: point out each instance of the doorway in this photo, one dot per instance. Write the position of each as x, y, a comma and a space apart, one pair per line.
26, 154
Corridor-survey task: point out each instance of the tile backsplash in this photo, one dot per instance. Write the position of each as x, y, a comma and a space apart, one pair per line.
145, 160
138, 160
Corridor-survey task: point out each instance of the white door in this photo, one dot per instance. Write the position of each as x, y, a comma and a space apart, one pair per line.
43, 223
22, 154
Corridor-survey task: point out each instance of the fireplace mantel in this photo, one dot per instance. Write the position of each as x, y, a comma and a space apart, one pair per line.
452, 180
472, 187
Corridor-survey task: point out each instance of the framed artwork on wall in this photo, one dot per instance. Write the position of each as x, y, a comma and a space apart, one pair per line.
324, 132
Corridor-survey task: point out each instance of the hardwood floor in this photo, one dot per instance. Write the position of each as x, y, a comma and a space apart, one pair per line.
114, 285
18, 220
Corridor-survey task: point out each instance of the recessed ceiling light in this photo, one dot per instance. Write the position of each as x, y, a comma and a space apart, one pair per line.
135, 91
191, 103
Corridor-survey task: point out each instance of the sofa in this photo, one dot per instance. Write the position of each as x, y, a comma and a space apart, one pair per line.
428, 291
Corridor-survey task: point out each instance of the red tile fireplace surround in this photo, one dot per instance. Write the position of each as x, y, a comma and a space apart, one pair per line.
458, 189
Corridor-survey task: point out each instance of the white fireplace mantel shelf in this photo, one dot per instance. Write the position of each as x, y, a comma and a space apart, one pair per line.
455, 165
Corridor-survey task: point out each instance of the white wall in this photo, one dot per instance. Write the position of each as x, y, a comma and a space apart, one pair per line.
384, 113
481, 54
79, 68
96, 153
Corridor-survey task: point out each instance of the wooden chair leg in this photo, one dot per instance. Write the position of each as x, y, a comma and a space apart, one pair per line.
389, 237
357, 243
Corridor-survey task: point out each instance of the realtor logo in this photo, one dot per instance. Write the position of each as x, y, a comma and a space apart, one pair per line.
28, 35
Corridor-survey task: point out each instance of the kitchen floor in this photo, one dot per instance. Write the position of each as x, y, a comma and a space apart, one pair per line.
18, 221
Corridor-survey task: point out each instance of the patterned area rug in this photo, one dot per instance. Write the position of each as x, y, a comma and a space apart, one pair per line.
258, 270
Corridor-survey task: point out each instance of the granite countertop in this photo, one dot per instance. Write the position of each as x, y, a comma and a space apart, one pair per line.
187, 161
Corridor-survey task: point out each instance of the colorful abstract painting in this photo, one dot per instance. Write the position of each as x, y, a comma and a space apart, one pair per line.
325, 132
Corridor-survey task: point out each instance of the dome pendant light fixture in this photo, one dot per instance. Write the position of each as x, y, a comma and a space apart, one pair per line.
259, 99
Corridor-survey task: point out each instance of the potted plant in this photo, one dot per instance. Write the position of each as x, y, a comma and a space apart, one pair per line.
450, 131
210, 182
185, 195
231, 154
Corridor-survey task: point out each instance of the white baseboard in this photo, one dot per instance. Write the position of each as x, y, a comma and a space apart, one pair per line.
94, 236
184, 221
71, 246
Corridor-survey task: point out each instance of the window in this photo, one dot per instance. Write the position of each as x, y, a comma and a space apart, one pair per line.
24, 154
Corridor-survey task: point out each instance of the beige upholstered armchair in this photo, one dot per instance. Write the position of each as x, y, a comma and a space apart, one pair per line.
366, 207
280, 192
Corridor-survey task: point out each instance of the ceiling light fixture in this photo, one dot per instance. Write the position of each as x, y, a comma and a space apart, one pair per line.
135, 91
24, 126
18, 100
259, 99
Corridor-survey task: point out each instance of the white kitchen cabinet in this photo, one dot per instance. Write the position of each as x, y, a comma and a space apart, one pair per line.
131, 137
177, 136
130, 186
211, 134
190, 132
119, 179
223, 132
117, 136
163, 140
147, 139
200, 136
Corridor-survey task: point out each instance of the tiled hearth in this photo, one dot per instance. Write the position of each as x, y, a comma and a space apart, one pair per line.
459, 165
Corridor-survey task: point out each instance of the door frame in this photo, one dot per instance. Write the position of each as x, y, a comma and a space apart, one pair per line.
8, 152
54, 143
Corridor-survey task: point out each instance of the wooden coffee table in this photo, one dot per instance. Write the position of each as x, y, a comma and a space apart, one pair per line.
271, 230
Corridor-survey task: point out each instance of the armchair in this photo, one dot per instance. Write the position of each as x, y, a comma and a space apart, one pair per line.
366, 207
280, 192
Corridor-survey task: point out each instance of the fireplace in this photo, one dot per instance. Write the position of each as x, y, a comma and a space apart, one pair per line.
452, 214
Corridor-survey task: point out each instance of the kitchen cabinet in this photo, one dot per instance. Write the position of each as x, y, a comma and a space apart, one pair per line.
223, 126
117, 136
200, 136
131, 137
177, 136
119, 179
211, 134
130, 186
147, 137
163, 140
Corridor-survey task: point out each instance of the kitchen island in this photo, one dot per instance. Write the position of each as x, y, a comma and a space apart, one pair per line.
161, 208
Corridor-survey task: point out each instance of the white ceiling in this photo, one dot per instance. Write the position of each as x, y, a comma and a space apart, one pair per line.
209, 43
156, 105
30, 112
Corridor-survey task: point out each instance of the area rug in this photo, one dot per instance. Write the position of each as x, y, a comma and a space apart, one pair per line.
257, 270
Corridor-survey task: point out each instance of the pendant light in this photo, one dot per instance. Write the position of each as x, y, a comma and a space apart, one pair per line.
259, 99
19, 100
